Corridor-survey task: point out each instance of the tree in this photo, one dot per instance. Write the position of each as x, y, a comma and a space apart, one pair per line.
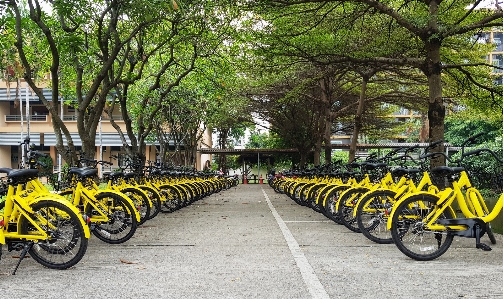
429, 32
81, 42
187, 74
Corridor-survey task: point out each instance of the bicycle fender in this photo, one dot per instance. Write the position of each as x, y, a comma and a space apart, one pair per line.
315, 187
338, 205
63, 201
137, 214
149, 188
140, 190
388, 224
365, 195
330, 188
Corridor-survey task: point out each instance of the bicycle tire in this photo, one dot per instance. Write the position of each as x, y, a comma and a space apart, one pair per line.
172, 199
155, 198
372, 216
410, 235
310, 197
297, 194
122, 222
66, 244
346, 205
330, 204
141, 202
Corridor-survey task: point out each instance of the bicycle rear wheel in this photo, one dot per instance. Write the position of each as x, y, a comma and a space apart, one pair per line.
372, 216
410, 232
121, 224
66, 244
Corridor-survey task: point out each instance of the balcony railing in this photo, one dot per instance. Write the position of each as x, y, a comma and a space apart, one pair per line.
69, 117
43, 118
17, 118
104, 118
116, 118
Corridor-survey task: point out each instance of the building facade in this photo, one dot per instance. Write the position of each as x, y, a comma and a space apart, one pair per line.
17, 101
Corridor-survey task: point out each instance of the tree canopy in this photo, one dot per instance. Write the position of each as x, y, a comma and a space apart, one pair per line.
311, 68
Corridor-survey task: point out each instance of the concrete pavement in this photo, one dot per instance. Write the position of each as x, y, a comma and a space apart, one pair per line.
249, 242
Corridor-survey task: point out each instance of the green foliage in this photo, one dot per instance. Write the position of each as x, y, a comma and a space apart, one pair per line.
47, 168
340, 156
461, 126
260, 140
486, 173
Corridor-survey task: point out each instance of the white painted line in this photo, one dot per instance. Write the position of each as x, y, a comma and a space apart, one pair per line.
310, 279
306, 221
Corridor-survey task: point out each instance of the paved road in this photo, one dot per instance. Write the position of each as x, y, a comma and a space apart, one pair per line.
249, 242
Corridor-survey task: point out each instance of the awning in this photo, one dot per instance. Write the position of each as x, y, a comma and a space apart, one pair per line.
16, 139
10, 95
107, 139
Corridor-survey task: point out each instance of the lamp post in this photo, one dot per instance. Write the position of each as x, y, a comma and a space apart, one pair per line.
101, 150
27, 110
60, 159
22, 128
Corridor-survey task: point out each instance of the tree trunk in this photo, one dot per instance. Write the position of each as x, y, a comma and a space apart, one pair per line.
424, 130
317, 151
358, 119
436, 108
303, 159
222, 142
328, 143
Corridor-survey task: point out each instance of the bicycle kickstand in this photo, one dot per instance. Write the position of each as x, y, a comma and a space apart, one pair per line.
26, 248
478, 233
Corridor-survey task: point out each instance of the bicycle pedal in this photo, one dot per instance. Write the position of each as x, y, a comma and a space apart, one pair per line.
483, 246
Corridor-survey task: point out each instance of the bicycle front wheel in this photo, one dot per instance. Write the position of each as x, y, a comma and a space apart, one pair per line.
155, 198
141, 202
66, 243
121, 223
411, 234
330, 205
346, 205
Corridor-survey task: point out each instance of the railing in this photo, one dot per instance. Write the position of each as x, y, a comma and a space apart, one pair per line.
74, 118
116, 117
69, 117
43, 118
17, 118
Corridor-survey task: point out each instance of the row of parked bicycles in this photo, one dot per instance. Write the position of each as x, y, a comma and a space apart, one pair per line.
53, 227
398, 198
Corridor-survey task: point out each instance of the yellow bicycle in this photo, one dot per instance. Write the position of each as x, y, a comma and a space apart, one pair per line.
423, 225
112, 215
44, 225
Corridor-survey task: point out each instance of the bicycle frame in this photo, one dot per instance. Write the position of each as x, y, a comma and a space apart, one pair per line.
18, 203
82, 195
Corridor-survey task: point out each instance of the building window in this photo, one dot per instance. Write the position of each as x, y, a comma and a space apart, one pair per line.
497, 38
14, 154
497, 61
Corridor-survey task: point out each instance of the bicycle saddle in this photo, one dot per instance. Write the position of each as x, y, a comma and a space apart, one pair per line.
83, 172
